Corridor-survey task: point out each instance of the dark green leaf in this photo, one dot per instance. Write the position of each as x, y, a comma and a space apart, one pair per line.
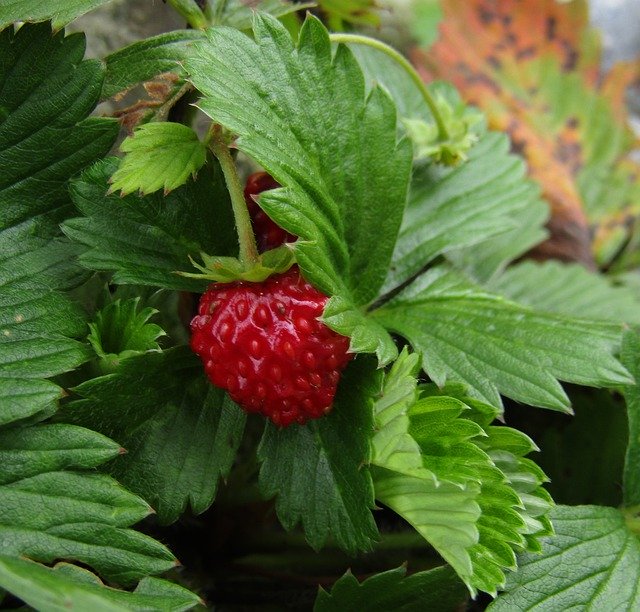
159, 155
181, 435
318, 470
145, 59
436, 590
333, 148
495, 346
60, 13
591, 563
68, 587
631, 359
567, 289
146, 240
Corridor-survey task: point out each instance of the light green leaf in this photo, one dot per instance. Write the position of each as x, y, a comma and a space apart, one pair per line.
631, 359
60, 13
356, 12
119, 331
436, 590
328, 491
68, 587
592, 563
159, 155
453, 208
333, 147
238, 14
146, 240
495, 346
145, 59
568, 289
181, 438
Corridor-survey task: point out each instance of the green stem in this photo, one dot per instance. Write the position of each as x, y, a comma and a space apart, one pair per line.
190, 11
358, 39
248, 249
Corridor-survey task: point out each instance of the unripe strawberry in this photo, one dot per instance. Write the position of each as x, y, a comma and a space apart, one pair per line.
264, 343
268, 234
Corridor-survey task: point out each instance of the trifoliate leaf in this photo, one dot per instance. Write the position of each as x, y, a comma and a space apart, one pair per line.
631, 359
436, 590
146, 59
333, 148
181, 438
47, 93
568, 289
159, 155
60, 13
50, 514
495, 346
119, 331
69, 587
147, 240
592, 562
318, 470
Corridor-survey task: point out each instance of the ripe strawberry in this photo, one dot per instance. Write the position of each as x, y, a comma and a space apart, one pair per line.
268, 234
264, 344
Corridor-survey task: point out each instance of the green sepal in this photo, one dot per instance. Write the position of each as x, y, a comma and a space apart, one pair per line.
230, 269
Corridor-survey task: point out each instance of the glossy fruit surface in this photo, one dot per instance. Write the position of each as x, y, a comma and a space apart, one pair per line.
264, 344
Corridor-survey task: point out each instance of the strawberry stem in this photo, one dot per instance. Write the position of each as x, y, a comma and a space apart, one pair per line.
190, 11
246, 238
358, 39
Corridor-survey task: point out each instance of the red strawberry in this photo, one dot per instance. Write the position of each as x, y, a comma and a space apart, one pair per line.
268, 234
264, 344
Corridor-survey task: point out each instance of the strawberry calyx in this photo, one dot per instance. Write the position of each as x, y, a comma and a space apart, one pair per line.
229, 269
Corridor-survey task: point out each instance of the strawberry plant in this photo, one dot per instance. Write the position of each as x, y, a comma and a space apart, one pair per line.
281, 345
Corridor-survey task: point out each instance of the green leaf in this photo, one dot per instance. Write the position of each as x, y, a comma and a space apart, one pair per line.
357, 12
568, 289
181, 438
237, 14
145, 59
333, 148
592, 562
46, 93
631, 359
436, 590
68, 587
453, 208
495, 346
464, 485
317, 470
145, 240
60, 13
159, 155
50, 514
38, 449
119, 331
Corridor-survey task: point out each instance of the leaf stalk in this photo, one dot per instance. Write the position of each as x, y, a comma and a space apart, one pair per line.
358, 39
189, 10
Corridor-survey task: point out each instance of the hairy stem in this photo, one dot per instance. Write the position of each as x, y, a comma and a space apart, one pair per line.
246, 238
358, 39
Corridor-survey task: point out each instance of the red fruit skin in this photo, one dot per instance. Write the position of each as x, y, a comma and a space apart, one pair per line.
268, 234
264, 344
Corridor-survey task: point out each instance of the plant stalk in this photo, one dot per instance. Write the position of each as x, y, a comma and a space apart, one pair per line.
358, 39
189, 10
246, 238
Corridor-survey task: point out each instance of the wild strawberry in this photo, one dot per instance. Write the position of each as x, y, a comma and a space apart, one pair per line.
268, 234
264, 344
